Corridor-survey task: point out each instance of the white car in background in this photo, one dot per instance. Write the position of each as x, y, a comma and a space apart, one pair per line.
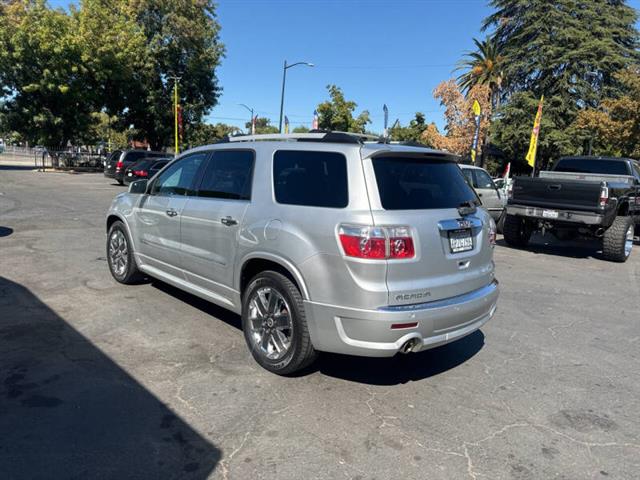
493, 199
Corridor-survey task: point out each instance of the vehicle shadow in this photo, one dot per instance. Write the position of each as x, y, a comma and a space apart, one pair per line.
69, 411
17, 167
5, 231
549, 245
374, 371
401, 368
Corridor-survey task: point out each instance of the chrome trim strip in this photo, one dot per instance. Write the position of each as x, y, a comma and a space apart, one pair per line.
458, 223
446, 302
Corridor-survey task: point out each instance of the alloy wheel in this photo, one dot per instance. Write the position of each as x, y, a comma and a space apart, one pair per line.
118, 253
270, 323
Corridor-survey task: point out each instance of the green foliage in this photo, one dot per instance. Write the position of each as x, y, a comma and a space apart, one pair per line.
263, 125
182, 39
205, 134
59, 71
566, 50
410, 133
337, 113
301, 129
483, 67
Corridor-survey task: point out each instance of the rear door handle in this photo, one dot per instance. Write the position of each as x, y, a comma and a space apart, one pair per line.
229, 222
171, 212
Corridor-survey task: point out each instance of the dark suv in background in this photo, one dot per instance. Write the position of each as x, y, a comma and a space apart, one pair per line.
144, 169
116, 165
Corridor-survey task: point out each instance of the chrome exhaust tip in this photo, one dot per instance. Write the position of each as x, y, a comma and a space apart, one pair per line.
409, 345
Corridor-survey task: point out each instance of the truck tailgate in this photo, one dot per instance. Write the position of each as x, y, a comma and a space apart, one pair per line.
555, 193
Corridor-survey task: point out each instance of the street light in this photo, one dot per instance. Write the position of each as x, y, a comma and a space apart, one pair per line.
284, 79
251, 119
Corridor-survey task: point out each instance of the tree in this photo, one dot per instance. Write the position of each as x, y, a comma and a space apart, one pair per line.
263, 125
616, 122
337, 113
205, 134
42, 77
483, 67
566, 50
182, 38
410, 133
459, 116
301, 129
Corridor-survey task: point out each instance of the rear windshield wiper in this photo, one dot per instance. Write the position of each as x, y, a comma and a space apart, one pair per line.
467, 208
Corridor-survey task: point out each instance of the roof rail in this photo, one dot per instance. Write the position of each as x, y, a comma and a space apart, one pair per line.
312, 136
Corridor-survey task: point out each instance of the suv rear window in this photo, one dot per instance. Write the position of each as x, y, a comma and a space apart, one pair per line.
406, 183
314, 179
583, 165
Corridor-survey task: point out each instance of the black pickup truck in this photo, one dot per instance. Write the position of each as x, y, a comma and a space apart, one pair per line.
589, 196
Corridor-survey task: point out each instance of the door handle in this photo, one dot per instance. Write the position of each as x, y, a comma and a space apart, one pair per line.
228, 221
171, 212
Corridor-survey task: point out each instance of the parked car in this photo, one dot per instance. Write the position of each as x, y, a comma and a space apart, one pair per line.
144, 169
116, 166
593, 196
327, 243
492, 200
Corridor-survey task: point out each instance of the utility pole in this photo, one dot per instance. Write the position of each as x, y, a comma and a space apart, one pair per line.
175, 112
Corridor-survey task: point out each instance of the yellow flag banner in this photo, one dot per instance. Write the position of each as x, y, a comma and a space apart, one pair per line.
533, 145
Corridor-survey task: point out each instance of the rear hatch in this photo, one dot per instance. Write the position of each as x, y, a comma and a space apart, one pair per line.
424, 191
110, 164
559, 193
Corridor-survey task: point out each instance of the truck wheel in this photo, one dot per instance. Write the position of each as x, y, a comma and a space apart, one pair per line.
516, 231
617, 242
275, 325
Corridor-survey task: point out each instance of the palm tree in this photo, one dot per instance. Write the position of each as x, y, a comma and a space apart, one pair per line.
483, 67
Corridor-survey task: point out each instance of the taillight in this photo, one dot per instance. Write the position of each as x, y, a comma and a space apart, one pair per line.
492, 232
376, 242
604, 196
119, 165
400, 242
140, 173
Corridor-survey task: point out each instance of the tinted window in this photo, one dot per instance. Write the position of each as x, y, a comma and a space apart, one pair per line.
157, 165
416, 184
141, 165
315, 179
482, 179
582, 165
178, 178
228, 175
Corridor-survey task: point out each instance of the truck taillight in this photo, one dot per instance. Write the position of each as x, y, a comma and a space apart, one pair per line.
604, 196
377, 243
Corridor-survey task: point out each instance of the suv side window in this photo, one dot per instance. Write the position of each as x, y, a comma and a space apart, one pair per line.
178, 179
313, 179
228, 175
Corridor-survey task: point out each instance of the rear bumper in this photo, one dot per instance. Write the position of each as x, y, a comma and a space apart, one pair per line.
564, 216
369, 333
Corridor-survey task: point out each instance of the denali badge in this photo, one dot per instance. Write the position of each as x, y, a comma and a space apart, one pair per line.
412, 296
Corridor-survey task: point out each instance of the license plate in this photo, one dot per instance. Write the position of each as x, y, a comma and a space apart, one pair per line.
460, 240
549, 214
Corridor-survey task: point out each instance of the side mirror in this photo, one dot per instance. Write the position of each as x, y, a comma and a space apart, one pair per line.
139, 186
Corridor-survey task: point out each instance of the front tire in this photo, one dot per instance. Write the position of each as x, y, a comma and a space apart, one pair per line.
275, 325
617, 242
122, 264
516, 231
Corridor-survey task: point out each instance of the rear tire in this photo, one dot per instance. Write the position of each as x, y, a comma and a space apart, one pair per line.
516, 231
120, 182
275, 325
617, 242
122, 263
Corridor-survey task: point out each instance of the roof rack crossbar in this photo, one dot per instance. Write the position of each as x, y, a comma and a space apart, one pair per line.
312, 136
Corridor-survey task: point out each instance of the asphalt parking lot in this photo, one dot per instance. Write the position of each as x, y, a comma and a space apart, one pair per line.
99, 380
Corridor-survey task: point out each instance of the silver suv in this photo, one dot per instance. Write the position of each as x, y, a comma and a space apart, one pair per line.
321, 242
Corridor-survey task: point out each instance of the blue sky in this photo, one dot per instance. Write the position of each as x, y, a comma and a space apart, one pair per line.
377, 51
